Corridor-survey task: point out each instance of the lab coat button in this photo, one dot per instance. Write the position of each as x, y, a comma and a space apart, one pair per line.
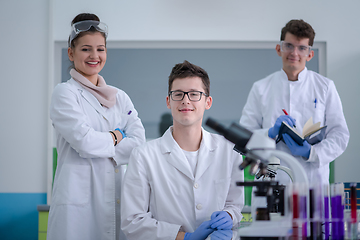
196, 185
116, 170
199, 206
118, 201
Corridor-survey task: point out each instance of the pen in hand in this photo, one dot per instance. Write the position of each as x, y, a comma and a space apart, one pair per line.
287, 115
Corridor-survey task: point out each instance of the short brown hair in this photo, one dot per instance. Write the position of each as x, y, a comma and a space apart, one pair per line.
300, 29
187, 69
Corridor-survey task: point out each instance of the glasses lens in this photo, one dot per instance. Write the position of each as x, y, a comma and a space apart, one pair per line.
287, 47
177, 95
86, 25
304, 49
194, 96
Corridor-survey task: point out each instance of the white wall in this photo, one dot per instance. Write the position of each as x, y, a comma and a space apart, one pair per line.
23, 96
25, 64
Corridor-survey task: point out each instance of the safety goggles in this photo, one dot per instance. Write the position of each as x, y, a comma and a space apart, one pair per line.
302, 50
85, 26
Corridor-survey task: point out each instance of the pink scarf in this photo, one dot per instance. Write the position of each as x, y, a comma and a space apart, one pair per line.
105, 94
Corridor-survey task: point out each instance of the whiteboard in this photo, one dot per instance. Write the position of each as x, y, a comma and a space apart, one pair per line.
141, 69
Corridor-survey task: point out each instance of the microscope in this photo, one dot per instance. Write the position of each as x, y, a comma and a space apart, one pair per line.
264, 160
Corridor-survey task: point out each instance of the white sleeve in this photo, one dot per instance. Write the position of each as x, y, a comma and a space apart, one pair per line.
136, 220
235, 200
337, 136
70, 121
135, 133
251, 117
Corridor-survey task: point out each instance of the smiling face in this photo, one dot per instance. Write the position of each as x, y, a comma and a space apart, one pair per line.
89, 55
293, 62
187, 113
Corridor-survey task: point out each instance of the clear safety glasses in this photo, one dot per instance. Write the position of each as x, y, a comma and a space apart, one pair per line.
302, 50
86, 25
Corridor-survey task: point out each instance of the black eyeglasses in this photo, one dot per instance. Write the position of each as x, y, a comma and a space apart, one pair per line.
193, 96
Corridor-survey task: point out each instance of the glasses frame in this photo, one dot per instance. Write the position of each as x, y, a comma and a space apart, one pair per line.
187, 93
295, 46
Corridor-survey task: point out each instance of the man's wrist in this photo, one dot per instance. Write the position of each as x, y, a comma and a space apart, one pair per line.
230, 215
271, 133
180, 236
306, 158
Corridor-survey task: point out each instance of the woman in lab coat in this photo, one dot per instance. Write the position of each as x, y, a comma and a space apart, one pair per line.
97, 127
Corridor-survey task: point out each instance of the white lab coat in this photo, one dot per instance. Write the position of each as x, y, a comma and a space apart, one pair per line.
86, 191
161, 196
270, 95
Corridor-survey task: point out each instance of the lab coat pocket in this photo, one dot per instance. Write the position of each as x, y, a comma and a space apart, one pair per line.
122, 121
317, 113
74, 184
222, 188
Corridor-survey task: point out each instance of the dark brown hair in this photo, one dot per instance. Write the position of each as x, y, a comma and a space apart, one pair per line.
300, 29
187, 69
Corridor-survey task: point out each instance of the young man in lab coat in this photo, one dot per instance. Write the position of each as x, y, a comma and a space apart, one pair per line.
182, 185
302, 94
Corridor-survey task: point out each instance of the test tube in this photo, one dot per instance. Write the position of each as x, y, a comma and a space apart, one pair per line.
303, 213
337, 211
315, 211
299, 210
341, 195
295, 210
326, 212
334, 212
354, 223
347, 200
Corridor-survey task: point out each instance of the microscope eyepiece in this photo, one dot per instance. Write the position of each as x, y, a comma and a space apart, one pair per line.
216, 126
235, 134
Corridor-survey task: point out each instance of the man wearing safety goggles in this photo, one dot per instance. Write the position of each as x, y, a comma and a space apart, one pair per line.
302, 94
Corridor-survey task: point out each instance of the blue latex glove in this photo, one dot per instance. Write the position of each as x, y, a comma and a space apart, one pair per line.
221, 235
274, 131
201, 233
221, 220
295, 148
122, 133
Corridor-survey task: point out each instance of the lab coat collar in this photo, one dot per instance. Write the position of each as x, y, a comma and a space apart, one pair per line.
301, 76
178, 159
91, 99
206, 153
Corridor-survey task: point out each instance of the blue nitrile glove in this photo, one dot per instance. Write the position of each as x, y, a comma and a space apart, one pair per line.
221, 235
122, 133
221, 220
201, 233
295, 148
274, 131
